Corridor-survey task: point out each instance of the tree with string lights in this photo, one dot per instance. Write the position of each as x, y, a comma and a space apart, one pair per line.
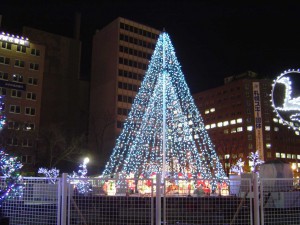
164, 132
9, 169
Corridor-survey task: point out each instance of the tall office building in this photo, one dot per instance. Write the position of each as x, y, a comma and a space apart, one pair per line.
120, 56
240, 119
21, 81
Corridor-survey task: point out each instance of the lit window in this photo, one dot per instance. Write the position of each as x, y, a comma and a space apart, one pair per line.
276, 129
206, 111
239, 120
282, 155
249, 128
298, 156
297, 132
277, 155
289, 156
212, 110
241, 155
225, 123
267, 128
234, 156
280, 121
213, 125
275, 120
268, 145
207, 127
250, 146
232, 122
239, 129
226, 131
220, 124
227, 156
293, 156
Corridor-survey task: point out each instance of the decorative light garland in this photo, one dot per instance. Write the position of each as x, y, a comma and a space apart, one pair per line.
289, 104
9, 169
139, 148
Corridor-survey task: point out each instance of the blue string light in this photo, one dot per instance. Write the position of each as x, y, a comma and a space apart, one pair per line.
139, 148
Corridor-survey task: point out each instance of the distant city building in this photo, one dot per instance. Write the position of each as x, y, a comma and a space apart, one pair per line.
120, 57
239, 118
41, 85
65, 96
21, 81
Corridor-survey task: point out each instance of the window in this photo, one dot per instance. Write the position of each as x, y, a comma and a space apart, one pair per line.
30, 111
31, 96
289, 156
21, 48
276, 129
13, 125
220, 124
26, 159
269, 155
34, 66
28, 126
12, 141
207, 127
3, 76
212, 110
239, 129
226, 131
267, 128
227, 156
2, 91
282, 155
268, 145
17, 78
27, 143
249, 128
6, 45
225, 123
277, 155
206, 111
16, 93
4, 60
239, 120
233, 130
249, 137
213, 125
250, 146
35, 52
34, 81
232, 122
15, 109
19, 63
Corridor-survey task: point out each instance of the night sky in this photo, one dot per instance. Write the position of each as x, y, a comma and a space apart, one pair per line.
212, 39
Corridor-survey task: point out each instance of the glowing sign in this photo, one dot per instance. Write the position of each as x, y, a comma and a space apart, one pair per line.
14, 39
286, 100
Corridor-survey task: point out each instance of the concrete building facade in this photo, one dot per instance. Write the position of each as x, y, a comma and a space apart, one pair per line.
240, 119
120, 57
21, 81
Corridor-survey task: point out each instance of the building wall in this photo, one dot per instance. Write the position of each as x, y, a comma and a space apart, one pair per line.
65, 95
121, 54
229, 116
65, 101
21, 82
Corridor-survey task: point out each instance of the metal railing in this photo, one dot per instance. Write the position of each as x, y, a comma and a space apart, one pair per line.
99, 201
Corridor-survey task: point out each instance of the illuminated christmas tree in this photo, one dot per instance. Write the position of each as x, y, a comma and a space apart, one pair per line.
164, 132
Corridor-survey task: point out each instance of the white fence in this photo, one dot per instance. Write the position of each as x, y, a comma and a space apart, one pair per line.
147, 202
